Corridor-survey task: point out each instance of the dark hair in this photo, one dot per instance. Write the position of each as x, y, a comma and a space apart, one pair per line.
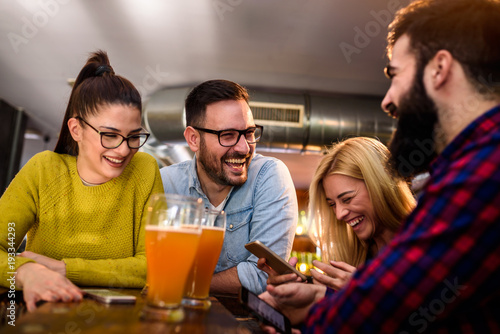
210, 92
467, 29
96, 86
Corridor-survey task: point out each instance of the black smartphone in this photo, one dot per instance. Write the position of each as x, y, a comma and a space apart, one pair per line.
273, 260
108, 296
265, 312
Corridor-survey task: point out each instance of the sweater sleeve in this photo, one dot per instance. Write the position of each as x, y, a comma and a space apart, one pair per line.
125, 272
18, 208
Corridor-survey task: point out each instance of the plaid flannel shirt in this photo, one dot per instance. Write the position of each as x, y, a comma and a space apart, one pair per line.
441, 273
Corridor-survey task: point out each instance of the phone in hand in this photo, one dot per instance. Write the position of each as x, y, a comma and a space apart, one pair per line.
273, 260
109, 296
265, 312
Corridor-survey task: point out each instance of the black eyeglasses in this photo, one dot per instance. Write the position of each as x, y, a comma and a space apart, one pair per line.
231, 137
112, 140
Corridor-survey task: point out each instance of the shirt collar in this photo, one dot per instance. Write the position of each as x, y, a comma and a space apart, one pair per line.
485, 123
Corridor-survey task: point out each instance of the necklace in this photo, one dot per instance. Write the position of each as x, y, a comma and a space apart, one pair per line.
85, 183
88, 184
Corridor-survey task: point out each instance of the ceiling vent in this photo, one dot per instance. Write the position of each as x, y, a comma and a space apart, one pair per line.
277, 114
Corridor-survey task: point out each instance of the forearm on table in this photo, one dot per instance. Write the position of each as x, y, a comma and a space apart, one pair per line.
226, 281
127, 272
9, 268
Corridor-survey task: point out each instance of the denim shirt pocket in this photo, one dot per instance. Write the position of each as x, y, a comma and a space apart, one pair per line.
237, 234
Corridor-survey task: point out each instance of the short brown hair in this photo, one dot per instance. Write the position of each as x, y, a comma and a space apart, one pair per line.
467, 29
209, 92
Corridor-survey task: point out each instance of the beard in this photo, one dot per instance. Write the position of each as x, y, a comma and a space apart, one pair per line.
413, 143
214, 168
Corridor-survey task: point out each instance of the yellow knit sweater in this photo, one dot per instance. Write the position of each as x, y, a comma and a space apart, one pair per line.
97, 231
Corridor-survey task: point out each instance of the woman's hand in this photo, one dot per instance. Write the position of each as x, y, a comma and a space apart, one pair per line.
52, 264
273, 277
40, 283
337, 273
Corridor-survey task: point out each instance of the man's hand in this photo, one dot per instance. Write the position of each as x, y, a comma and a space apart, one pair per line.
40, 283
52, 264
294, 299
273, 277
337, 274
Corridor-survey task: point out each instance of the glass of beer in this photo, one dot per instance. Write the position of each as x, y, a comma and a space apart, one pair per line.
213, 227
173, 233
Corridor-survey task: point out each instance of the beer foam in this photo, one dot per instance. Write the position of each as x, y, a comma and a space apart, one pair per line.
216, 228
191, 229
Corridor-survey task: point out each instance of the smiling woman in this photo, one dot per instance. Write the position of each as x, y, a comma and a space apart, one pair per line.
357, 203
83, 206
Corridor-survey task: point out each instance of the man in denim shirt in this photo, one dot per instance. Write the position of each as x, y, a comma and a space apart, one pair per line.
256, 192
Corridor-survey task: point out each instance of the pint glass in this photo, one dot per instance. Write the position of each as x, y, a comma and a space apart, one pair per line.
172, 237
213, 227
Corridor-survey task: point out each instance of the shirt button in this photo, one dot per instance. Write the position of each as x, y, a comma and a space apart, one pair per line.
231, 226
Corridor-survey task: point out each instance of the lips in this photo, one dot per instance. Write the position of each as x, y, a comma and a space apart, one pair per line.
392, 110
356, 221
235, 161
237, 164
114, 160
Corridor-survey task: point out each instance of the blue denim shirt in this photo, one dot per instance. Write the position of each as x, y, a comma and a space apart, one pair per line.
264, 208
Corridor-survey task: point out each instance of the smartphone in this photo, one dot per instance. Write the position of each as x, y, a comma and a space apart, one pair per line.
265, 312
273, 260
108, 296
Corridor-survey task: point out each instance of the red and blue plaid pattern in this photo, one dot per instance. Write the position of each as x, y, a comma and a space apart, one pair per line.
441, 273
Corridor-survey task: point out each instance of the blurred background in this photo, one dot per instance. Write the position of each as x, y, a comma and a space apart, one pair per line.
314, 69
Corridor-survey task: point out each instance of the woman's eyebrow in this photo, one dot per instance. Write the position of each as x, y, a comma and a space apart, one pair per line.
345, 193
116, 130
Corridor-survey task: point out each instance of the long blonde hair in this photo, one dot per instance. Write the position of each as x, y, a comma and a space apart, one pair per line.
364, 159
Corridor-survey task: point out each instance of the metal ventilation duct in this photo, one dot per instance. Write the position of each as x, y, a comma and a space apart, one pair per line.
293, 122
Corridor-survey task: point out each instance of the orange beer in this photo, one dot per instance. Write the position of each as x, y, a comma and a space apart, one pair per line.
170, 254
200, 276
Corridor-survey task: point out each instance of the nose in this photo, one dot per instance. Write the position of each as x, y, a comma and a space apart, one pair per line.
123, 150
242, 146
341, 212
386, 102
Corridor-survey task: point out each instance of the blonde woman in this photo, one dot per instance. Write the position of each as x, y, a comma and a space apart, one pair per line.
356, 205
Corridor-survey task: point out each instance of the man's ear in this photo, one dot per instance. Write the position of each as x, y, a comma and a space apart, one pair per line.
192, 138
75, 129
440, 68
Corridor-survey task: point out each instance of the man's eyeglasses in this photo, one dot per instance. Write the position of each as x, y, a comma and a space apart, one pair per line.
112, 140
231, 137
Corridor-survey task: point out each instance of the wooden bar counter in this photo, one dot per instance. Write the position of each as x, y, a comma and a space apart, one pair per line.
90, 316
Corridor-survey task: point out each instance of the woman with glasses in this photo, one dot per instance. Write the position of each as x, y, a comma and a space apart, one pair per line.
83, 206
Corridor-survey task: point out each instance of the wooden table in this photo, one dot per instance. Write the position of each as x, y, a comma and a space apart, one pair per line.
89, 316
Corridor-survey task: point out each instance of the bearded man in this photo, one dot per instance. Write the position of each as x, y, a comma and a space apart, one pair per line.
440, 273
256, 192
